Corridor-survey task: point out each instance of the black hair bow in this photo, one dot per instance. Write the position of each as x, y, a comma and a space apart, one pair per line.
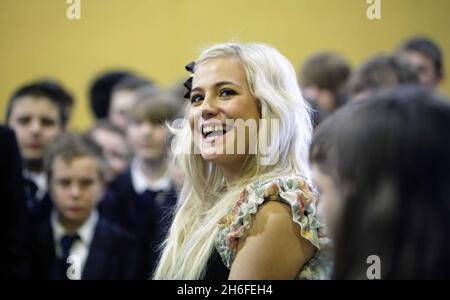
188, 83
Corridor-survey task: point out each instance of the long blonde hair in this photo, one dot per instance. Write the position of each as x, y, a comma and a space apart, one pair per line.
205, 197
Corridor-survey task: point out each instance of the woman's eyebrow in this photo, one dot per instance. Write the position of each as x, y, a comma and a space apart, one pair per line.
216, 85
220, 83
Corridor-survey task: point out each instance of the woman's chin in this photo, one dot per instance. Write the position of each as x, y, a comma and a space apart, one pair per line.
212, 157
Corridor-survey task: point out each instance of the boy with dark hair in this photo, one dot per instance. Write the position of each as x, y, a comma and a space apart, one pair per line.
378, 72
74, 242
322, 79
100, 91
122, 99
38, 112
426, 56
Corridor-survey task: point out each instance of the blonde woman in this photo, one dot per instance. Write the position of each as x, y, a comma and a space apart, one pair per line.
247, 211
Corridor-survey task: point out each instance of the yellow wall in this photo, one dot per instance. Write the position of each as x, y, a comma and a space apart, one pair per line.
158, 37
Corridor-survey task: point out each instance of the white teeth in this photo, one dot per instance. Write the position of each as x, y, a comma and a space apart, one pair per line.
211, 128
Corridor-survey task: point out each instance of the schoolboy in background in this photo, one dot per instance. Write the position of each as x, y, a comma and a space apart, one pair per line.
38, 113
74, 242
144, 196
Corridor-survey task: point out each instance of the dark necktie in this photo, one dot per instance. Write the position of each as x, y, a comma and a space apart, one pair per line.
66, 243
146, 197
30, 192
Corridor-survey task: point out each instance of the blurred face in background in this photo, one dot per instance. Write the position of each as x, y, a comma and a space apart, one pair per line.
323, 98
322, 101
115, 148
425, 68
76, 187
148, 139
36, 122
119, 111
330, 200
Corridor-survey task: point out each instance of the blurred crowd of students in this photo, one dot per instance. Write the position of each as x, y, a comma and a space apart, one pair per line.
105, 195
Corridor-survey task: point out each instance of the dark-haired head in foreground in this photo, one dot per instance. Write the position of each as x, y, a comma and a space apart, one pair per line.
383, 170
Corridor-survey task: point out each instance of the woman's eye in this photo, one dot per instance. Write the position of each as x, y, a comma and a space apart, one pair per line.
196, 98
227, 92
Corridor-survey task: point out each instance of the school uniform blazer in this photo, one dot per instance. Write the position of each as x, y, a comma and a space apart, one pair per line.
112, 254
147, 218
40, 210
13, 255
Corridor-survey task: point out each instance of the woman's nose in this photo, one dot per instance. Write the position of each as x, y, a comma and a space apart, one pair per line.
209, 108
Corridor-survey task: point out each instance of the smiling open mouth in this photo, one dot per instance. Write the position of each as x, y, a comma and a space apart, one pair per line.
212, 131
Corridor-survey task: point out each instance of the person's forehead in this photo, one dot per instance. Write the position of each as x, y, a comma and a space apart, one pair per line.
417, 57
123, 95
106, 134
219, 69
35, 104
110, 140
85, 164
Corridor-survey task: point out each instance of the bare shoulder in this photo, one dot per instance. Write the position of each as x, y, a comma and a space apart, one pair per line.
273, 247
272, 217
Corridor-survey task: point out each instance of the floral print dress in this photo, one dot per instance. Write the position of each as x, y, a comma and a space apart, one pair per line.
299, 195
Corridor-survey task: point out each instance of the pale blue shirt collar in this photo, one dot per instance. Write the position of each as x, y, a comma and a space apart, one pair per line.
141, 184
